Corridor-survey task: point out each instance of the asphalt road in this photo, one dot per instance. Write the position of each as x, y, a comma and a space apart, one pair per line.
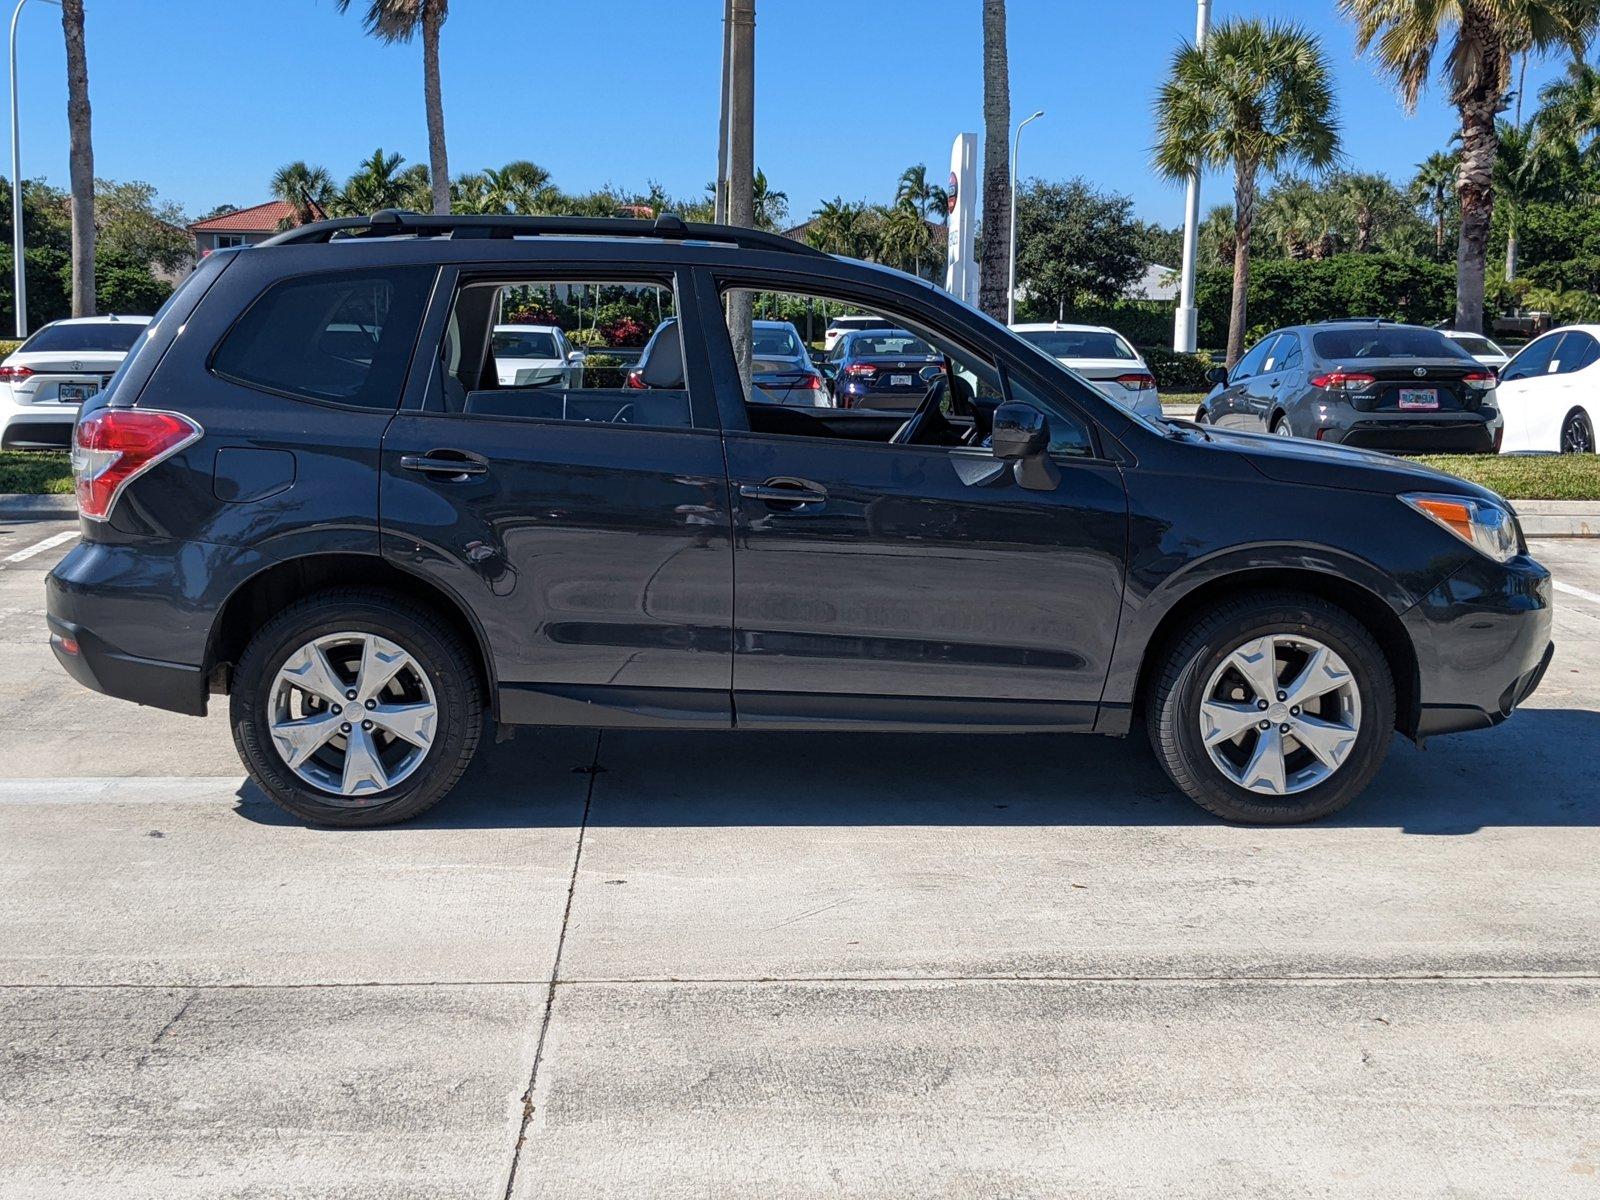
757, 964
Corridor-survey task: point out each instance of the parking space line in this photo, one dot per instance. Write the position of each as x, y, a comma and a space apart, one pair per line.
1591, 597
39, 547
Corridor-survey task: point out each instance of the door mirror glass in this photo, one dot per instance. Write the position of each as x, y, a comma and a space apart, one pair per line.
1020, 431
1217, 375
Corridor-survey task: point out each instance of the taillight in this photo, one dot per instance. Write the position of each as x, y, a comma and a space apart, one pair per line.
866, 370
1482, 380
114, 446
812, 382
635, 379
1343, 381
1137, 381
10, 374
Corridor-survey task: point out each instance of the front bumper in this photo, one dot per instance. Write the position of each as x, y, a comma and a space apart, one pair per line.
1483, 644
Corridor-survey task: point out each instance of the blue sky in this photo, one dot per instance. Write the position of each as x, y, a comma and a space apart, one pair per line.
205, 100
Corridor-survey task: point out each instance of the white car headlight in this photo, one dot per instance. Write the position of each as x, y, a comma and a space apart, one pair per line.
1486, 526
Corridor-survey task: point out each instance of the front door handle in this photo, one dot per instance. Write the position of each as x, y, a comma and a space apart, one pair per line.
453, 463
784, 493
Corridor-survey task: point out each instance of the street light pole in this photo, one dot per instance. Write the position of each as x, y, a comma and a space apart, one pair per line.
1011, 276
21, 288
1186, 319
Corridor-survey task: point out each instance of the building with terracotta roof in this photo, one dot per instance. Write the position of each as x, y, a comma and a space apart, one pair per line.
247, 226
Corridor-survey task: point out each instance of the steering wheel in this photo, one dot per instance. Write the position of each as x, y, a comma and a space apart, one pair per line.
924, 419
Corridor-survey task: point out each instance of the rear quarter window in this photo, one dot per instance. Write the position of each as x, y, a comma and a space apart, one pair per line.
342, 337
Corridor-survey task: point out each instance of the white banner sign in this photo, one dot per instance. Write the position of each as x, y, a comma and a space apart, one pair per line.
961, 269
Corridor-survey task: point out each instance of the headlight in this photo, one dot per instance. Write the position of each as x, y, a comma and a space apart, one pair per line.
1482, 524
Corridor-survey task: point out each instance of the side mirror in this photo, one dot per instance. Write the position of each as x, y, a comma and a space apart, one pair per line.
1217, 375
1021, 437
575, 356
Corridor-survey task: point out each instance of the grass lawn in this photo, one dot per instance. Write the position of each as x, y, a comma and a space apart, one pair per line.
1531, 477
36, 472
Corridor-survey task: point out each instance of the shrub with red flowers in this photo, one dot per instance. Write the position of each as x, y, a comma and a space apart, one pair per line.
624, 331
533, 314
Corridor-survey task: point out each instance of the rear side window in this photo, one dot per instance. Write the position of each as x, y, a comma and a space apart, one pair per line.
340, 338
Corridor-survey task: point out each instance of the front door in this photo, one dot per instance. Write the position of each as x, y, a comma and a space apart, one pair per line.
917, 584
586, 528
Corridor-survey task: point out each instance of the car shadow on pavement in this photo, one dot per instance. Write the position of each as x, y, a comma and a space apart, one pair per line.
1536, 770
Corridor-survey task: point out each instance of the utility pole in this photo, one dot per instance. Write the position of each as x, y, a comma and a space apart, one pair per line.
1186, 320
1011, 273
741, 163
720, 203
18, 263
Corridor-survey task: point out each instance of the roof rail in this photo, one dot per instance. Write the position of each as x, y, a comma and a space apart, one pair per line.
390, 222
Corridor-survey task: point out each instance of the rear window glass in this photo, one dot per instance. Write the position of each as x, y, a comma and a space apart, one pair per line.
100, 335
895, 344
776, 343
1064, 343
1477, 345
525, 343
1385, 341
343, 337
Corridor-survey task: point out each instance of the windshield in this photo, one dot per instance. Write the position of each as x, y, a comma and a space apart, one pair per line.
777, 343
524, 343
1068, 343
896, 343
1385, 341
98, 335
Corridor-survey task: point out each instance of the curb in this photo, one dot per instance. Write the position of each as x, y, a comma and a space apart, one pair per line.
1558, 518
18, 504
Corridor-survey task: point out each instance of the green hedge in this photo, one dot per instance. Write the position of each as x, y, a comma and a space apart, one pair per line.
1176, 371
8, 347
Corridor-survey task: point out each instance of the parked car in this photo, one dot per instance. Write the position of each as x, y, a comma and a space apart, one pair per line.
1103, 357
840, 326
781, 367
368, 555
61, 365
1373, 384
885, 369
535, 356
1481, 348
1550, 393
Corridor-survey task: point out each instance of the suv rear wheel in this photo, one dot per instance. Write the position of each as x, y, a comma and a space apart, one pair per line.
356, 707
1274, 708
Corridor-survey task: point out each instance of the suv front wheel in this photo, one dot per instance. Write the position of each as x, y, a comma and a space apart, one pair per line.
1274, 708
356, 707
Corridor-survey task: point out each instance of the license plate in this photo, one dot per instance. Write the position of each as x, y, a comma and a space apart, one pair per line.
1419, 397
75, 393
901, 380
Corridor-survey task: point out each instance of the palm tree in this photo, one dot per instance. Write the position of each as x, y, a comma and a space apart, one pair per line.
1525, 169
518, 187
1258, 97
376, 184
1434, 189
470, 194
1483, 35
305, 187
771, 205
1569, 110
994, 255
80, 160
416, 188
399, 21
932, 201
842, 227
905, 239
1296, 215
1364, 197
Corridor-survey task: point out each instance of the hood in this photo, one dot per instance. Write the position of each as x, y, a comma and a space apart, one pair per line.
1317, 464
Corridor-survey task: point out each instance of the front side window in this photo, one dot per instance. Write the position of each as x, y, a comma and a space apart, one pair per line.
342, 337
1251, 363
578, 350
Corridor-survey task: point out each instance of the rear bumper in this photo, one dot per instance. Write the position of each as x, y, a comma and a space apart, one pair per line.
102, 667
47, 427
1411, 433
1483, 644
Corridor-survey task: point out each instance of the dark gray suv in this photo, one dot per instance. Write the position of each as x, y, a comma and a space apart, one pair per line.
1373, 384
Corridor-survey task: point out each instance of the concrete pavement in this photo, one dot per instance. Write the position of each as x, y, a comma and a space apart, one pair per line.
769, 964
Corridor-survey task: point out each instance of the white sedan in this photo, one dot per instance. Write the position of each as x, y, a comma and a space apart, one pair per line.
1549, 394
1481, 348
536, 356
46, 378
1103, 357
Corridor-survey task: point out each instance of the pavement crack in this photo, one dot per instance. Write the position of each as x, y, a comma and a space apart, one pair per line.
161, 1034
594, 771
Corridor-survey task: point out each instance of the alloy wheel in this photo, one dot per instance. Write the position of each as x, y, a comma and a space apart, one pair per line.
352, 714
1576, 435
1280, 714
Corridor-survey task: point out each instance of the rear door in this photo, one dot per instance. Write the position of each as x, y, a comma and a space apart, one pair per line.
587, 529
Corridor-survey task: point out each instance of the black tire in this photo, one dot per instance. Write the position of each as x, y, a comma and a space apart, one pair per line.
437, 649
1281, 426
1176, 692
1577, 435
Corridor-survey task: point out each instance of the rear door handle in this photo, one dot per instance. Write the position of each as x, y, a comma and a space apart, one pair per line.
784, 493
445, 462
